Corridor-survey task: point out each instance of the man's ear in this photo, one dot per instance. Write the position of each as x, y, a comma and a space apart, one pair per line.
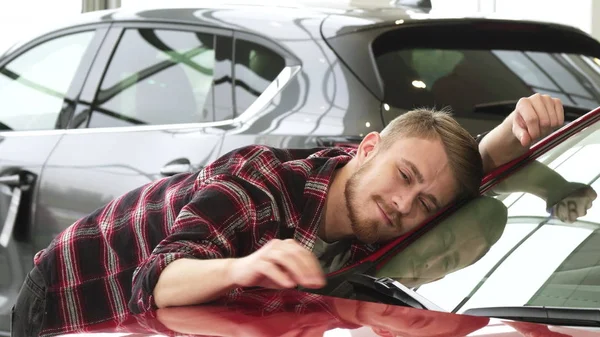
368, 146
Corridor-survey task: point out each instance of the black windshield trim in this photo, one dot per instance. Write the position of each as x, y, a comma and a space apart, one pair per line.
391, 291
546, 315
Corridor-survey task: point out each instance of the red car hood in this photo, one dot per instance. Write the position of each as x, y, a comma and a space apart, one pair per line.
292, 313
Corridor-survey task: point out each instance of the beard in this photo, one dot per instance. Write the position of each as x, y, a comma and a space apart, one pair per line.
364, 230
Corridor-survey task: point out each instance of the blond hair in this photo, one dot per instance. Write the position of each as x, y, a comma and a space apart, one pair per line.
461, 148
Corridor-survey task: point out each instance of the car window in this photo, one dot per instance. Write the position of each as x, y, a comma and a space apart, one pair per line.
34, 86
533, 241
157, 77
223, 102
255, 68
453, 78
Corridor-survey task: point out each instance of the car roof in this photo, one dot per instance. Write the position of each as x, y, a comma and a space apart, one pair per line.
342, 17
332, 17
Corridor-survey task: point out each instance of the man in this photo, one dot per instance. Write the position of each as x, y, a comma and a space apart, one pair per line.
263, 217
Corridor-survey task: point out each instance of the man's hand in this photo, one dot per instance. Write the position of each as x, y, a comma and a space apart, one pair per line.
536, 117
278, 264
576, 204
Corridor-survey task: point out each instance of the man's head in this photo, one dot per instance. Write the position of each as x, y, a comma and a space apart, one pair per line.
422, 161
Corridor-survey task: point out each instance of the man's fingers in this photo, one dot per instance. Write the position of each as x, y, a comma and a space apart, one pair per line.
571, 207
572, 217
562, 211
520, 131
527, 119
299, 263
275, 275
289, 265
551, 115
544, 108
581, 209
308, 261
591, 194
560, 112
536, 118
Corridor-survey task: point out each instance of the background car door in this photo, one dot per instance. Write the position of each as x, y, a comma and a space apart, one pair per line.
39, 85
146, 112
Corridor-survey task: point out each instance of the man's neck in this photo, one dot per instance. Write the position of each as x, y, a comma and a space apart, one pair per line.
335, 222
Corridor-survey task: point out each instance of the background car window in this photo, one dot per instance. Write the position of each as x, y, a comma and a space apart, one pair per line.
33, 86
452, 78
157, 77
223, 102
255, 68
548, 250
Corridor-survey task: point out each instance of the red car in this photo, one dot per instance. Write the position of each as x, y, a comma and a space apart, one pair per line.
292, 313
523, 259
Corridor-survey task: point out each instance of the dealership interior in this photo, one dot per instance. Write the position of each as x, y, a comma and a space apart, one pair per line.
250, 140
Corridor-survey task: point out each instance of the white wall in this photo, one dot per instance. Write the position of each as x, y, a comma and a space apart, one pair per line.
572, 12
576, 13
20, 18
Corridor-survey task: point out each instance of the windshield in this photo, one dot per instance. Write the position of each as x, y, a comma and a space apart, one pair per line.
464, 79
534, 240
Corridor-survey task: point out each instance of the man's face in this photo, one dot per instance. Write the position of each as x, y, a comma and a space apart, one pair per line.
396, 189
437, 254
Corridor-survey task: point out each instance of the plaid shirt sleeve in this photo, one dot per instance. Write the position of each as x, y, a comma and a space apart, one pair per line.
106, 265
206, 228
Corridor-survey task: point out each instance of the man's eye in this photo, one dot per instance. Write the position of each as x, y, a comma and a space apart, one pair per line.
424, 204
404, 176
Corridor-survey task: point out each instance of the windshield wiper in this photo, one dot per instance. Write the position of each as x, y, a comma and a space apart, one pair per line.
540, 314
390, 291
506, 107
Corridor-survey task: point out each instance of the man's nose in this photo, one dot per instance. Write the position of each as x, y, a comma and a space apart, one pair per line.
403, 204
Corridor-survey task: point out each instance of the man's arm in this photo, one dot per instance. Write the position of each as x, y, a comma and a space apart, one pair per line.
202, 258
534, 117
280, 264
179, 282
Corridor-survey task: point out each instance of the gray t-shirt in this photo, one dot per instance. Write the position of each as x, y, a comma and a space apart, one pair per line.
332, 256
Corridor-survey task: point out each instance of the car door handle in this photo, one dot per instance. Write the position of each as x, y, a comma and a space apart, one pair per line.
176, 166
18, 182
12, 180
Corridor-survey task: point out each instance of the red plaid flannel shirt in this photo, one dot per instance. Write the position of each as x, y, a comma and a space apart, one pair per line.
105, 266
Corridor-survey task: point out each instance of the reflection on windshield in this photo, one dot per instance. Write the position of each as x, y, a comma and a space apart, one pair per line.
566, 200
453, 77
468, 234
544, 248
457, 242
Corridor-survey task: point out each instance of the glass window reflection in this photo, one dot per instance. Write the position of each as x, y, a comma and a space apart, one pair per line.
524, 66
157, 77
561, 73
439, 77
255, 68
34, 86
